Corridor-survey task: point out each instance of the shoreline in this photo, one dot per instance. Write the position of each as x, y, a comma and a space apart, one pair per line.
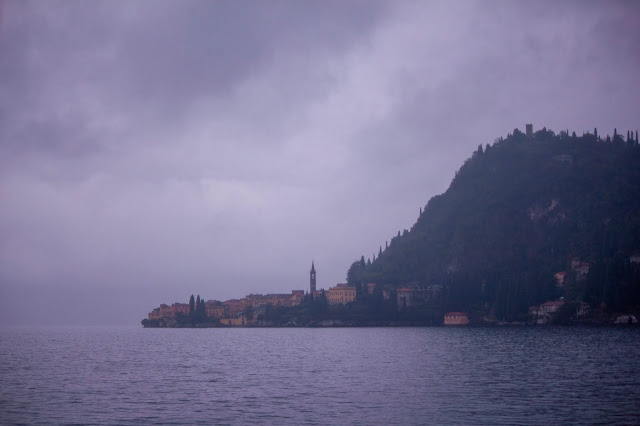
403, 325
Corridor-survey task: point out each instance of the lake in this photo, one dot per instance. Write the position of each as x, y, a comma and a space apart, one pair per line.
438, 375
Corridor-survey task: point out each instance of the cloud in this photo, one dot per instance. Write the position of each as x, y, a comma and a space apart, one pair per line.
154, 149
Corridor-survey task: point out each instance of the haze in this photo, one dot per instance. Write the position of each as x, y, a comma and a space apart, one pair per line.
150, 150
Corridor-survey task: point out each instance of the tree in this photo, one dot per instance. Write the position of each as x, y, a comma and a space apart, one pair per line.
248, 312
475, 232
192, 303
354, 274
201, 314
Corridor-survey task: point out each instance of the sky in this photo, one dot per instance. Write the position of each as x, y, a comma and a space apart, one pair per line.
150, 150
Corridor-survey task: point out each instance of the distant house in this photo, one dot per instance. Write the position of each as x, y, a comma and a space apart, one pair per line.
181, 308
169, 312
296, 297
580, 268
626, 319
155, 314
213, 309
560, 277
542, 314
341, 294
233, 307
456, 318
404, 297
237, 321
371, 287
386, 294
551, 307
533, 311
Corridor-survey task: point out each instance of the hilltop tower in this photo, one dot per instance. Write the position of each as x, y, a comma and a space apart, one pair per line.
312, 279
529, 128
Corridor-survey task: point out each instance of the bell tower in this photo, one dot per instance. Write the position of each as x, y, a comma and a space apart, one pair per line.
312, 280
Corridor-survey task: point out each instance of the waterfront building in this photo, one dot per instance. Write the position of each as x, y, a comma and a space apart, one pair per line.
341, 294
213, 309
456, 318
543, 314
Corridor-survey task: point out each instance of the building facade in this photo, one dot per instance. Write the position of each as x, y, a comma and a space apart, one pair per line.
341, 294
456, 318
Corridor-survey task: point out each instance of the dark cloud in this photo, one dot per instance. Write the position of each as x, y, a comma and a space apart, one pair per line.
154, 149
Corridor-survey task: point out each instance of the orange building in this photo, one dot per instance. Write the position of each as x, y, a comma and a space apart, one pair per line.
180, 308
341, 294
296, 297
233, 307
155, 314
166, 311
213, 309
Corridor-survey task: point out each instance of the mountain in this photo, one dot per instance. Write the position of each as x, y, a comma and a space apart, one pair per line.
516, 213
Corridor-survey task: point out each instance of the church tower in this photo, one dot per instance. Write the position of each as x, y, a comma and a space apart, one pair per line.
312, 279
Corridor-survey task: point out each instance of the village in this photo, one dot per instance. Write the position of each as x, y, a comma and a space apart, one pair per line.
547, 311
251, 310
246, 311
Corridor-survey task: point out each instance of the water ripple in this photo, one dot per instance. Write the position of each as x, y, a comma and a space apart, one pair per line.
321, 376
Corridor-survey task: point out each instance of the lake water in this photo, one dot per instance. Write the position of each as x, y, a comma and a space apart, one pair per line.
327, 376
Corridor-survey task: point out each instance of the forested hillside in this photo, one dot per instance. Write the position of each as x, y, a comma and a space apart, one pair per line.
516, 213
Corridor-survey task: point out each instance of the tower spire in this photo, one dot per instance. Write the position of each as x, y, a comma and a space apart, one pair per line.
312, 279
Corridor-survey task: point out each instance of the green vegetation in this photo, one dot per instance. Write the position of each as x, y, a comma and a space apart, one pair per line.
517, 212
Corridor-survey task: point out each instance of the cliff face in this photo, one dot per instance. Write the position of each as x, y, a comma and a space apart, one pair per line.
518, 212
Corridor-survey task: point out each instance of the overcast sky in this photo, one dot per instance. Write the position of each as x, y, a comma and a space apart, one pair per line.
154, 149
